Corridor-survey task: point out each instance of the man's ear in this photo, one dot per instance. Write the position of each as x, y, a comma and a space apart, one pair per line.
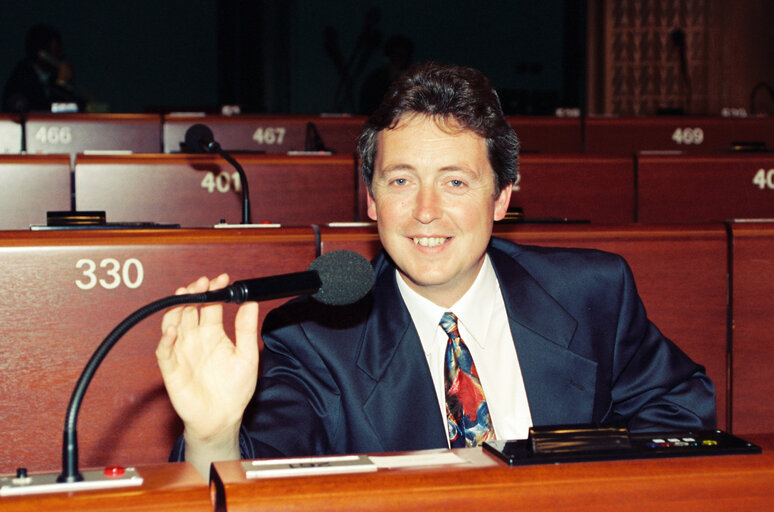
371, 203
502, 201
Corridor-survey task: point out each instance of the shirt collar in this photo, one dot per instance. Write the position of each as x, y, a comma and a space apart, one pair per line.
473, 310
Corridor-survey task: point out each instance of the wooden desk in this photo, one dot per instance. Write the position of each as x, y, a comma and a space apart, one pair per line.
76, 133
30, 186
702, 188
200, 190
546, 134
10, 134
680, 272
732, 482
165, 487
689, 134
66, 290
594, 188
752, 303
268, 133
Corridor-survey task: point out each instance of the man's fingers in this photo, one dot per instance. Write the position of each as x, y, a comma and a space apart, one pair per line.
212, 314
246, 329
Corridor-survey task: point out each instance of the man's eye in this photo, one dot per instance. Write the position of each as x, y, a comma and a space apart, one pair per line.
399, 181
457, 183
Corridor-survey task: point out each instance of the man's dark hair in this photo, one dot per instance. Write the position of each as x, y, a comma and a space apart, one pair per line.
443, 92
38, 38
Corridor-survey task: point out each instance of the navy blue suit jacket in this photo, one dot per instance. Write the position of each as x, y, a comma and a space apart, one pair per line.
355, 379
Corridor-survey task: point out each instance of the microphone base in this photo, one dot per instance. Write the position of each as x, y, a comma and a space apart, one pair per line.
109, 478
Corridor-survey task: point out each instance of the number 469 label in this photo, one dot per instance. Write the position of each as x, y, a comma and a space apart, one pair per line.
764, 179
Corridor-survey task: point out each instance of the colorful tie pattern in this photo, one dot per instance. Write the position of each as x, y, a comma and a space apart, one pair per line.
466, 411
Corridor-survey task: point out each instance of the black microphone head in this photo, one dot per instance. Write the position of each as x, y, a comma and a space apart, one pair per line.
345, 277
198, 137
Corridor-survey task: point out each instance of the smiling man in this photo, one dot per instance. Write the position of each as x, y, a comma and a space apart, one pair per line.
463, 338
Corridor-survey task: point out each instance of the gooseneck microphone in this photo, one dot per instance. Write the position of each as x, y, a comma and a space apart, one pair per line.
336, 278
199, 139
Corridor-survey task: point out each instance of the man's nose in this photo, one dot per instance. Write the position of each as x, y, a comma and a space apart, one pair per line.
427, 206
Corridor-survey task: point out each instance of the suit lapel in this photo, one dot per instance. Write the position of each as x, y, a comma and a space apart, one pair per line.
402, 407
560, 384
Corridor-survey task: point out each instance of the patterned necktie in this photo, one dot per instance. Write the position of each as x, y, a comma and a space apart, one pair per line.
466, 411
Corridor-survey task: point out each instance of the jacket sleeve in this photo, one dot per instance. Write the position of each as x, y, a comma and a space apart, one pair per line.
654, 384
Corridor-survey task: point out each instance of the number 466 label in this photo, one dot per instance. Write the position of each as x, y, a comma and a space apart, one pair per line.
764, 179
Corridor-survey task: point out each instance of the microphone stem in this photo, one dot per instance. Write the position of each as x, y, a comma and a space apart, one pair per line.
242, 181
70, 471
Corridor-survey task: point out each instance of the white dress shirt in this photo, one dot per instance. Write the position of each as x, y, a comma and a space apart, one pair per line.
483, 326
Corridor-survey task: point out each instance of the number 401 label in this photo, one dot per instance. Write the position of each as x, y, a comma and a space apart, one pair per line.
764, 179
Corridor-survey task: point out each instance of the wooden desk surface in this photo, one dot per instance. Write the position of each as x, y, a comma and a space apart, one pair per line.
268, 133
30, 186
165, 487
732, 482
67, 290
752, 303
75, 133
704, 188
200, 190
689, 134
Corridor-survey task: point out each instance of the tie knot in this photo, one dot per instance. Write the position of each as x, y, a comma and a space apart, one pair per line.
449, 322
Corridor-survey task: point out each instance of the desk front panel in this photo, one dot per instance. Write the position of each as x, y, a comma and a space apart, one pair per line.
10, 134
165, 488
682, 189
268, 133
599, 189
689, 134
546, 134
30, 186
67, 290
753, 335
481, 482
76, 133
680, 271
202, 190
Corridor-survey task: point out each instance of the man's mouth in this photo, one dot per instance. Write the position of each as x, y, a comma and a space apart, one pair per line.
428, 241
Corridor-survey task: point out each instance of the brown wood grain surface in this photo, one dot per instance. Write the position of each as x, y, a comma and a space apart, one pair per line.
728, 482
200, 190
51, 326
628, 135
753, 334
76, 133
684, 189
165, 487
30, 186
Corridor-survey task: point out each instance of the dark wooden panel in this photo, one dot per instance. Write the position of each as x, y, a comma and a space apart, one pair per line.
753, 334
10, 134
199, 190
51, 326
627, 135
599, 189
705, 188
268, 133
76, 133
543, 134
31, 185
680, 273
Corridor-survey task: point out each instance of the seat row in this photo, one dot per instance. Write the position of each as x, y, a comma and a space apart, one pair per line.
154, 133
203, 190
708, 287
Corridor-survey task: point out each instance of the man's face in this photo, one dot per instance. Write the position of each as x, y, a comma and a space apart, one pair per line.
434, 203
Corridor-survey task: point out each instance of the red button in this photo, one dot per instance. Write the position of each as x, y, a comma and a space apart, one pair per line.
114, 471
